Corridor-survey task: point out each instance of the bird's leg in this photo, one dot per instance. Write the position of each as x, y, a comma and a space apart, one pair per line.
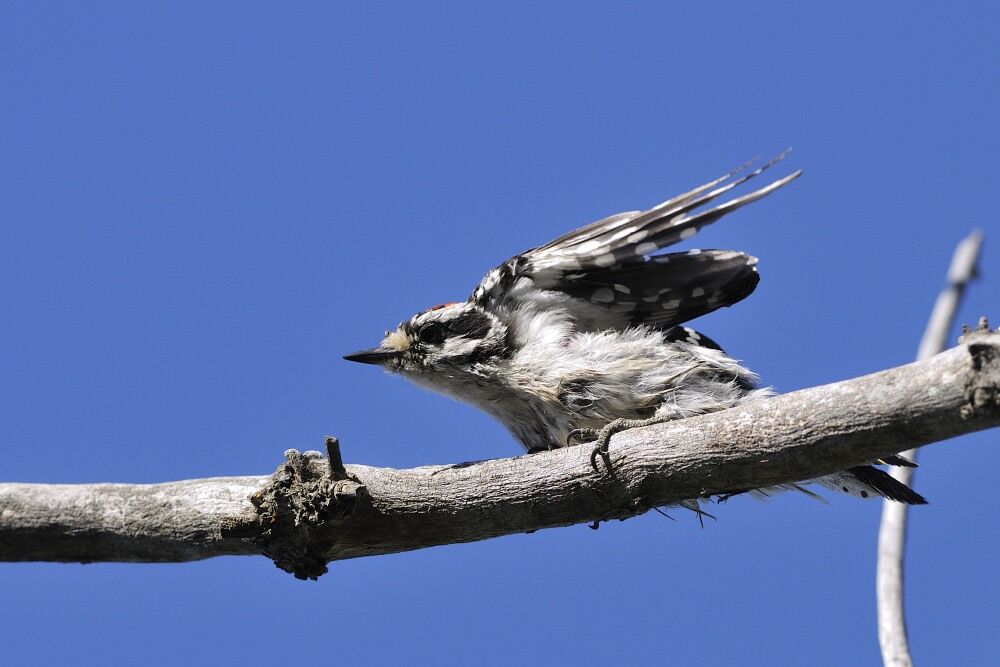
602, 437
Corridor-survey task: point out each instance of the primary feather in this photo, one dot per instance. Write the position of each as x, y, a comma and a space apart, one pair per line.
610, 276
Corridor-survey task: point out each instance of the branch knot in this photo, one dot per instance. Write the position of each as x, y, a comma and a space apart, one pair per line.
299, 510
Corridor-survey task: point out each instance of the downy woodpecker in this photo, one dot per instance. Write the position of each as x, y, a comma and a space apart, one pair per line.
581, 338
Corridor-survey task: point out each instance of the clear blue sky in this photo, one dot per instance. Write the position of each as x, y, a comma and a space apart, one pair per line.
205, 205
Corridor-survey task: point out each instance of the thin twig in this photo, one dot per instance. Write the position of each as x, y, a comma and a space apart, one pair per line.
892, 531
334, 458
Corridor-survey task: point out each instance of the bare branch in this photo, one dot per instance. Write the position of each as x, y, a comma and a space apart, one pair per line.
302, 516
892, 530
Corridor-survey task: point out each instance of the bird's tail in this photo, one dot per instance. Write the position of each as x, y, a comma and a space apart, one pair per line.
866, 481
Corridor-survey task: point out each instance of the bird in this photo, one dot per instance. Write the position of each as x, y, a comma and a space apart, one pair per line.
584, 337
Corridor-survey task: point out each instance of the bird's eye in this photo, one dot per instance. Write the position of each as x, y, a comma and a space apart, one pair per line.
431, 333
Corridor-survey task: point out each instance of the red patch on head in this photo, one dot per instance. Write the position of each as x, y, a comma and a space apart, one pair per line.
443, 305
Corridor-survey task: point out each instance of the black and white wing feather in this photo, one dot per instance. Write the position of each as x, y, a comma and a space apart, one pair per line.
603, 274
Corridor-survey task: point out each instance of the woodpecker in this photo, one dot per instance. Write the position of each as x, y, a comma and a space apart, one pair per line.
583, 337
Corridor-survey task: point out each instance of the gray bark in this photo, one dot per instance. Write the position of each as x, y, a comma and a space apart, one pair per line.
310, 512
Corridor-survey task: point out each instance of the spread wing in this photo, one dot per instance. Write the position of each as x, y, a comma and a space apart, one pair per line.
603, 274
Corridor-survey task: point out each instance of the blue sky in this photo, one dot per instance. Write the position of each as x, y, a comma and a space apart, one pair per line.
205, 205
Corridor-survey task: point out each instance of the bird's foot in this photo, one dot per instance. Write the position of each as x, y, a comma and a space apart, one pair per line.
602, 437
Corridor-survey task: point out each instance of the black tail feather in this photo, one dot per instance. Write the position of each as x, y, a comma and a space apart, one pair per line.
897, 460
886, 485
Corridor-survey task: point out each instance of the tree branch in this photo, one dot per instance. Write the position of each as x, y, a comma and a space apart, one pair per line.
307, 514
892, 528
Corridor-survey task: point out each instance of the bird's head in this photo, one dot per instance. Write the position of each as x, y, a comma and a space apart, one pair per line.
450, 339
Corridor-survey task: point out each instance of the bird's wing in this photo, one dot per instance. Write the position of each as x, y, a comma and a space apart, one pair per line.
603, 274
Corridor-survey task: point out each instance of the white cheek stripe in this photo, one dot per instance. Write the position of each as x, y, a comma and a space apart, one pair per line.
459, 346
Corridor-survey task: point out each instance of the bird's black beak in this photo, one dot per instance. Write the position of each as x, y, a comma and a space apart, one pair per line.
377, 356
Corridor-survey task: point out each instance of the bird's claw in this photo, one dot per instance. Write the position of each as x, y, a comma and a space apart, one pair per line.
602, 437
600, 450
